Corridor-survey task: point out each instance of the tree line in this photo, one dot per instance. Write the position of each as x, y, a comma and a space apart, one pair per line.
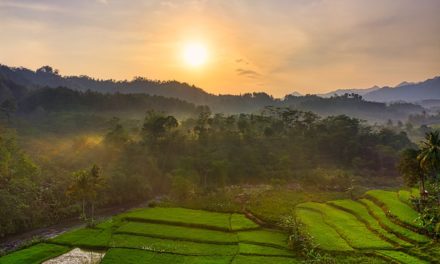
181, 158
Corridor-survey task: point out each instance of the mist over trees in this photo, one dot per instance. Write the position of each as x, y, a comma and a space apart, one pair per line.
164, 156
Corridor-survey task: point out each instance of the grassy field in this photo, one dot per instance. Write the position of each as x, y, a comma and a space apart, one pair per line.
361, 212
171, 246
345, 229
401, 257
240, 222
34, 254
324, 235
348, 227
251, 249
182, 216
244, 259
395, 207
264, 237
85, 237
380, 223
178, 232
134, 256
392, 227
168, 235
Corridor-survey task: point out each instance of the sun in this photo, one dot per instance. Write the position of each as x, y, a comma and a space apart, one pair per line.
195, 54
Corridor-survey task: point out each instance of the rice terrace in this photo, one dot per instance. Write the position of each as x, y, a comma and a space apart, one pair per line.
387, 224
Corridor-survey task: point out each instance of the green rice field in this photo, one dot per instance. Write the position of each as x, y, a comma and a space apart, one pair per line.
374, 229
382, 223
169, 235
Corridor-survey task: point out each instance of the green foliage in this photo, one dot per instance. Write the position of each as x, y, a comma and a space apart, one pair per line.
35, 254
409, 167
85, 187
22, 201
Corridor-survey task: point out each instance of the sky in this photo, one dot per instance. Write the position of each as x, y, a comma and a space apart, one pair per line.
276, 46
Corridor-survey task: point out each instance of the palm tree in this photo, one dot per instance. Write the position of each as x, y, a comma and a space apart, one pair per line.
429, 157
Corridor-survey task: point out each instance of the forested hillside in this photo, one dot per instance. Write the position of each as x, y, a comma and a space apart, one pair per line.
14, 82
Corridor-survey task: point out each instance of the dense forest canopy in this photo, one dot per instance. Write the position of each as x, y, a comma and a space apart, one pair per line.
162, 155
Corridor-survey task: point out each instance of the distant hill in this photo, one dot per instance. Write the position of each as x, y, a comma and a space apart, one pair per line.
409, 92
349, 91
34, 89
46, 76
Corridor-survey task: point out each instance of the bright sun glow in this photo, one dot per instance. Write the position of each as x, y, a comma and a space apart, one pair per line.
195, 54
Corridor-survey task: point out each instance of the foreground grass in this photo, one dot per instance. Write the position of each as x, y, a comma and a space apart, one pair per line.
389, 225
401, 257
85, 237
241, 222
273, 205
251, 249
348, 227
245, 259
182, 216
178, 232
401, 210
133, 256
264, 237
171, 246
34, 254
324, 235
361, 212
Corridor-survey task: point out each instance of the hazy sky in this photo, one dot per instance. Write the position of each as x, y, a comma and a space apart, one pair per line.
276, 46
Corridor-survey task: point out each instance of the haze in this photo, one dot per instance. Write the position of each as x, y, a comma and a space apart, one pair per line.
309, 46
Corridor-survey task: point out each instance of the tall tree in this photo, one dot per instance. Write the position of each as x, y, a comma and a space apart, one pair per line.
79, 189
85, 187
411, 171
8, 107
429, 157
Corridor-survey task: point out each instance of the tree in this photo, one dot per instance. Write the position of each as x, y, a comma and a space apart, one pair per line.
410, 169
79, 189
96, 184
85, 187
429, 157
8, 107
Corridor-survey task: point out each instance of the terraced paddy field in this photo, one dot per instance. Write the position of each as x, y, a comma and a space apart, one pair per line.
168, 235
382, 223
378, 228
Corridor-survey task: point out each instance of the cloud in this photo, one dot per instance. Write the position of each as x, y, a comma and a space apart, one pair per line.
169, 4
248, 73
36, 7
102, 1
241, 61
